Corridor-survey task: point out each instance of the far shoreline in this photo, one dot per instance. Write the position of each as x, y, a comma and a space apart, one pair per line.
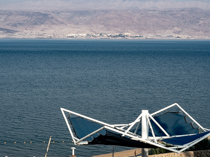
108, 39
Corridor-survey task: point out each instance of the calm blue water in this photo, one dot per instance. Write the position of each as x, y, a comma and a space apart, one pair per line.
105, 79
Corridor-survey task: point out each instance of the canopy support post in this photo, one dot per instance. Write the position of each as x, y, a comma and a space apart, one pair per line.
145, 130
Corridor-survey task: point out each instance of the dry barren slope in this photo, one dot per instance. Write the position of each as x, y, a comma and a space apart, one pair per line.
170, 22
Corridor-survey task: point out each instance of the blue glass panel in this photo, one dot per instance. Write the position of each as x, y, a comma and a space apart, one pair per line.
173, 123
83, 127
185, 139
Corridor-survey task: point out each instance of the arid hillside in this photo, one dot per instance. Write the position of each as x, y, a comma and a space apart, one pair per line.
190, 23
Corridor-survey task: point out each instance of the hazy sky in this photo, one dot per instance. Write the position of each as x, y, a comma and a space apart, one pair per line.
12, 1
100, 4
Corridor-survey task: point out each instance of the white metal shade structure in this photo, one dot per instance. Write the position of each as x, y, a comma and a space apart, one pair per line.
173, 131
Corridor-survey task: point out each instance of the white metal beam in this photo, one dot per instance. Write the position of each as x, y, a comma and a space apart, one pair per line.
175, 104
141, 140
90, 134
133, 123
159, 126
193, 143
153, 134
191, 117
91, 119
144, 130
67, 123
120, 128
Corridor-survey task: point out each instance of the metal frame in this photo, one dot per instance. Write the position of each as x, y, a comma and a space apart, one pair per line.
144, 118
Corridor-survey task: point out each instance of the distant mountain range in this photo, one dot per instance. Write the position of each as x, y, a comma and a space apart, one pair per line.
113, 19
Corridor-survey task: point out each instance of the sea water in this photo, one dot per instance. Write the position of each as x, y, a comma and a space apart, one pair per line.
109, 80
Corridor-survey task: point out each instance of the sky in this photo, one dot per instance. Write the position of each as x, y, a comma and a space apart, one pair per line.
99, 4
